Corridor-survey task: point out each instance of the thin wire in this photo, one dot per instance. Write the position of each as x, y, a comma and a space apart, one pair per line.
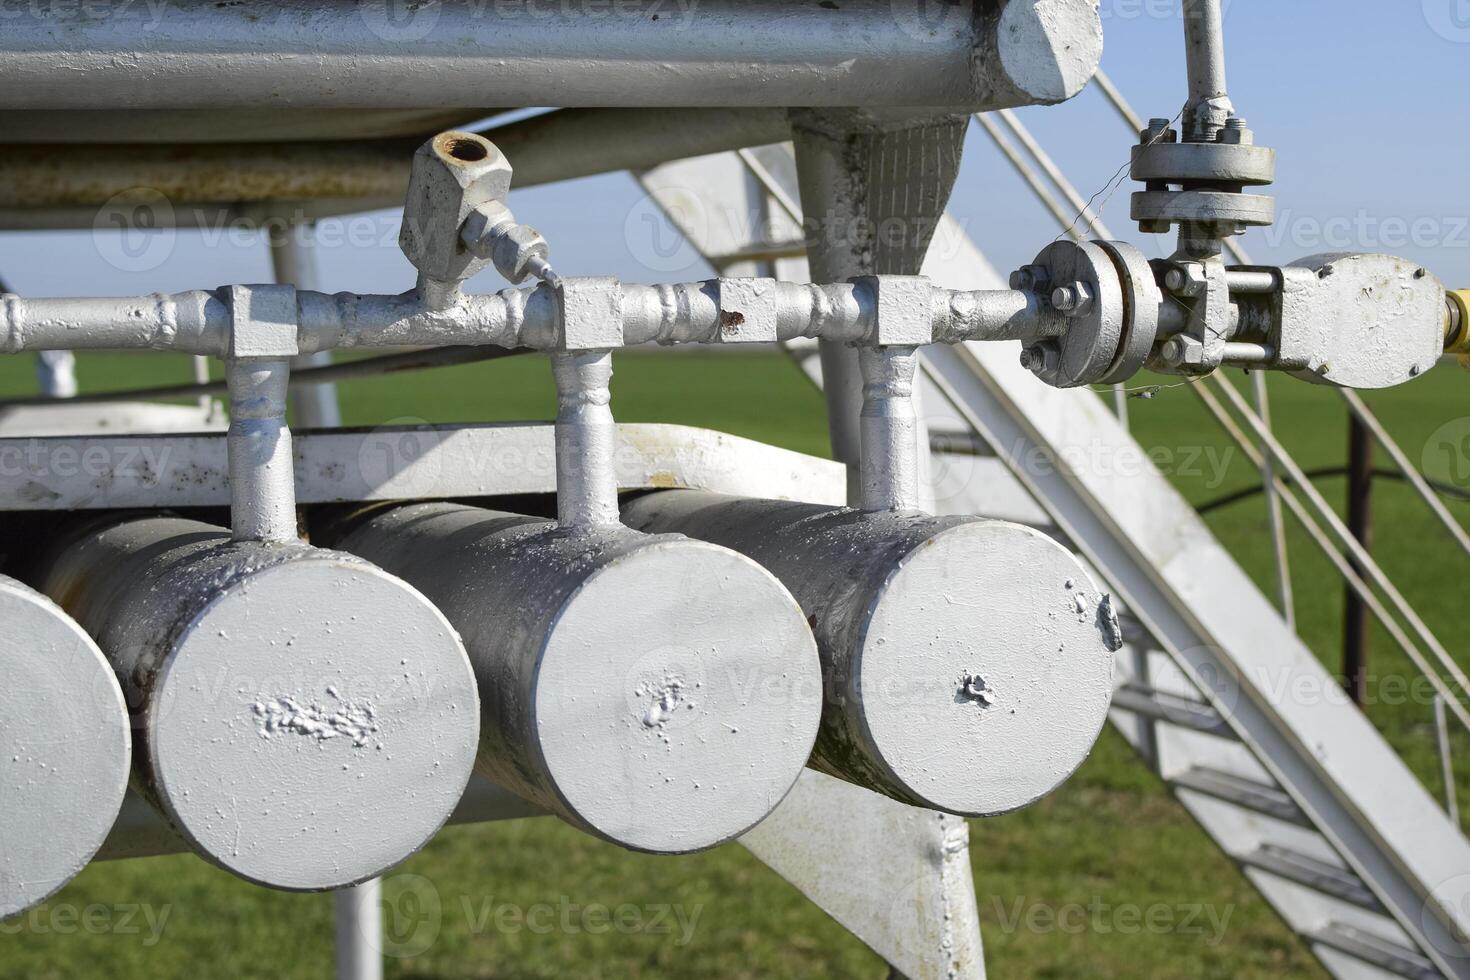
1111, 187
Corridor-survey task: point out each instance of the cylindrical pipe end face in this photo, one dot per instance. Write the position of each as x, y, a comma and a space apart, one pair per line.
677, 696
985, 666
1049, 49
313, 724
968, 663
64, 748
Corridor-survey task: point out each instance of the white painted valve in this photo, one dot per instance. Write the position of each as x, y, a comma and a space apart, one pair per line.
64, 748
304, 719
658, 692
968, 662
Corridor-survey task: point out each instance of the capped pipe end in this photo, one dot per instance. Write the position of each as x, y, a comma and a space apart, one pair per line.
1048, 50
985, 665
313, 724
677, 697
64, 748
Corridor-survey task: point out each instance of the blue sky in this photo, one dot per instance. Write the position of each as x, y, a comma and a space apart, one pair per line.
1364, 100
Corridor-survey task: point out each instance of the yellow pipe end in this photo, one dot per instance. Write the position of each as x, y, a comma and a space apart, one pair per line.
1457, 334
1457, 325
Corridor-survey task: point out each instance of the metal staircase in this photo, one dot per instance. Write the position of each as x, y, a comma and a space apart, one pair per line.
1215, 691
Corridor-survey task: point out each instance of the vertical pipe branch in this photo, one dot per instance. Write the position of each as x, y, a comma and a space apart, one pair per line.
889, 429
262, 481
586, 436
1204, 52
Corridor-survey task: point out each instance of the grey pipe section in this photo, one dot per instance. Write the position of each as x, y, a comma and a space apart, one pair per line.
889, 429
303, 53
302, 719
363, 174
258, 443
1204, 49
967, 664
1209, 103
586, 481
615, 668
198, 321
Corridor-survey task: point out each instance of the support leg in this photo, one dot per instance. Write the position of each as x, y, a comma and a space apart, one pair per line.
872, 197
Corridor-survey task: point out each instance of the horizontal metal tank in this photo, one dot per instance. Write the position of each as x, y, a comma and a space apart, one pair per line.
303, 719
658, 692
64, 748
968, 662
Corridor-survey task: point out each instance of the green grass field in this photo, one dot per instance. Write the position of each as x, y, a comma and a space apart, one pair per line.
1065, 887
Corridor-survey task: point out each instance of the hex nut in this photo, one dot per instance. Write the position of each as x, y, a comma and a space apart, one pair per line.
452, 174
590, 313
515, 248
748, 311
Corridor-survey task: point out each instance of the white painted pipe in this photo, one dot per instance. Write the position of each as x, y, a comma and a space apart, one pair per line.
586, 440
262, 468
64, 748
968, 662
304, 719
199, 321
658, 692
889, 430
359, 932
712, 53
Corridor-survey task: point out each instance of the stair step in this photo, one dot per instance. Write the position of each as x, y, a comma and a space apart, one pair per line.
1249, 794
1173, 709
1374, 950
1320, 876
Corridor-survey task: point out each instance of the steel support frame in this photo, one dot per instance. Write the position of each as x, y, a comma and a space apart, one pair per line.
861, 181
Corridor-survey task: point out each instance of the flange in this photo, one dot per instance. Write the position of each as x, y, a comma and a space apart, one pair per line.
1141, 301
1083, 354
